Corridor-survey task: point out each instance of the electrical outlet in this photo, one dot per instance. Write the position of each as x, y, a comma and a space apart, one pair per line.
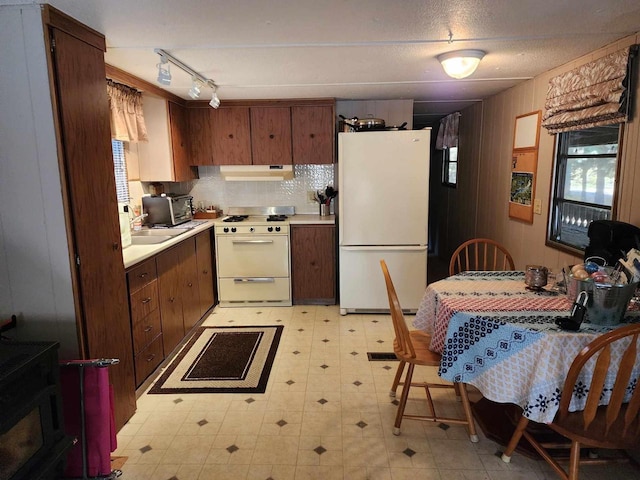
311, 196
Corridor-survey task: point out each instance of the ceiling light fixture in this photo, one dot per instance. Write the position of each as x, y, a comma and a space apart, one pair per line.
164, 74
215, 101
194, 91
197, 80
461, 63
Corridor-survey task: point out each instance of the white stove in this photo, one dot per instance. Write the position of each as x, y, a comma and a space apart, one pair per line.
253, 256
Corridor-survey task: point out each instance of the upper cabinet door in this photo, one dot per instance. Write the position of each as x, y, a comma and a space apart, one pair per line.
179, 128
313, 134
201, 143
230, 136
271, 135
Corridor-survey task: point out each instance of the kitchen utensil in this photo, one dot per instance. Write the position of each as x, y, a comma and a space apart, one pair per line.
360, 125
396, 127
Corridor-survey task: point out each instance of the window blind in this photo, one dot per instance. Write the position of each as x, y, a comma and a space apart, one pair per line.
120, 170
591, 95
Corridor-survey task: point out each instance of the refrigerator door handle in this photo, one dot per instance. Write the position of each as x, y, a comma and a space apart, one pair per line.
385, 248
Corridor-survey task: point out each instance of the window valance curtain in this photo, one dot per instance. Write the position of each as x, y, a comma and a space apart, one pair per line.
127, 120
591, 95
448, 131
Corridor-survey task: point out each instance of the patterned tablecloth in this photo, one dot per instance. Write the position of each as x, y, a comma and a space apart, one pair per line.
500, 337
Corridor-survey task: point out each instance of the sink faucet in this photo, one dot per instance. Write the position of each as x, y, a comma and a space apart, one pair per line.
137, 218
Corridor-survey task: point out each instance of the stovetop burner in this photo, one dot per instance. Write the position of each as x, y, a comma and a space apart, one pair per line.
235, 218
276, 218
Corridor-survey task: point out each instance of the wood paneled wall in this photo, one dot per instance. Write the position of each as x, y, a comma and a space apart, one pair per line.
479, 205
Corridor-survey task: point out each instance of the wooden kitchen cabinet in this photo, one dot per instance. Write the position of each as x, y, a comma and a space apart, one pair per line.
231, 136
271, 135
170, 299
189, 284
146, 326
219, 136
165, 157
179, 292
263, 133
200, 141
179, 127
313, 134
204, 258
313, 264
168, 295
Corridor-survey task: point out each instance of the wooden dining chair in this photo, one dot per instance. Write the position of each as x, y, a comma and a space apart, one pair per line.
612, 426
412, 348
480, 254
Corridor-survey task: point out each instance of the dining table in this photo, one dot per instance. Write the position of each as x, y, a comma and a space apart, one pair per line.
501, 337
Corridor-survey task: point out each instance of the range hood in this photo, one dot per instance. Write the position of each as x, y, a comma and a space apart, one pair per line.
256, 173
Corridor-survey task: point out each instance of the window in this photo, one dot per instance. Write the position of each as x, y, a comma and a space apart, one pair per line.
450, 166
584, 184
120, 169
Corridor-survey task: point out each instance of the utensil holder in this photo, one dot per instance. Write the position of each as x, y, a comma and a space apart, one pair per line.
324, 210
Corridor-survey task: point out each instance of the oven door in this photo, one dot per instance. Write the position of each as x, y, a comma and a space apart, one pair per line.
258, 256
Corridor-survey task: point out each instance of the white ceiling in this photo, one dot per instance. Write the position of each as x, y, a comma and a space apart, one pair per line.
353, 49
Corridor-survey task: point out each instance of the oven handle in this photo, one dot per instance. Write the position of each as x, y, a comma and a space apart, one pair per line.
251, 241
254, 280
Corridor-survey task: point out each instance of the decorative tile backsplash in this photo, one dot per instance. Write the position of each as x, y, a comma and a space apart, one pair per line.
212, 189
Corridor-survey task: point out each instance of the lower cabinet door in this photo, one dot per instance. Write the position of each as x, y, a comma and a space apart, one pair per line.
170, 294
148, 359
145, 330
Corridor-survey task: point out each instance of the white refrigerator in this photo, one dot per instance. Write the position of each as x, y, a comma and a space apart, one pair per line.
383, 208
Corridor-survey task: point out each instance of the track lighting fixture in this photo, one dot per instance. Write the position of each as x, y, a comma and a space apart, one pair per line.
164, 74
194, 91
197, 80
215, 101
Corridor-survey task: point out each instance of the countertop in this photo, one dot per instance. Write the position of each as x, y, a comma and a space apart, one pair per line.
134, 254
312, 219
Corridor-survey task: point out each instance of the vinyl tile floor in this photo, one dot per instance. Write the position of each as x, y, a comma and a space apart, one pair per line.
326, 415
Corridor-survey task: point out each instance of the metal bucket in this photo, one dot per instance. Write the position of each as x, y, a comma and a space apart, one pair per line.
608, 303
575, 286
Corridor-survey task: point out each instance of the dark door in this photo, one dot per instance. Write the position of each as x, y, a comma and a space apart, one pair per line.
101, 291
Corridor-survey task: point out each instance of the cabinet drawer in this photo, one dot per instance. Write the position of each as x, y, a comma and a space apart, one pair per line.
145, 330
142, 274
144, 301
148, 359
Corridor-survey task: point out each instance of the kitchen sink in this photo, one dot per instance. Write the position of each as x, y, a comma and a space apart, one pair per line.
152, 236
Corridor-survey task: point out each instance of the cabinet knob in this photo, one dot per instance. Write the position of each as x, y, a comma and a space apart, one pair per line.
116, 245
148, 329
146, 300
171, 299
231, 135
142, 275
151, 357
190, 284
272, 136
313, 135
205, 272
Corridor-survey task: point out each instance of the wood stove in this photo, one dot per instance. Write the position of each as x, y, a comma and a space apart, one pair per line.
32, 441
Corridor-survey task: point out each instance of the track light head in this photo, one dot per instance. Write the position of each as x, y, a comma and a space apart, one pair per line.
194, 91
215, 101
164, 73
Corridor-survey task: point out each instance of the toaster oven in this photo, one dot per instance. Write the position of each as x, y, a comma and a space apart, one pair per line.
167, 210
